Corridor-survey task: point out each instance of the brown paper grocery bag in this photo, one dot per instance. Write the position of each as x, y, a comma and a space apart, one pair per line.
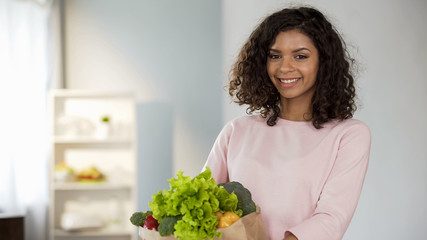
249, 227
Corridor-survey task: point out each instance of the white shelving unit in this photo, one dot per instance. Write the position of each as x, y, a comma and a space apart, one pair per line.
80, 140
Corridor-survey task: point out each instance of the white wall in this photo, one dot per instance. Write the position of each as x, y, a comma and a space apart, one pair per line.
388, 40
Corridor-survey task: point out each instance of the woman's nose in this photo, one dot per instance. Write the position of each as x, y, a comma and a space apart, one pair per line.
286, 65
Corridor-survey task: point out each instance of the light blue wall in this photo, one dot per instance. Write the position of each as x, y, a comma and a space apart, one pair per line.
169, 54
155, 145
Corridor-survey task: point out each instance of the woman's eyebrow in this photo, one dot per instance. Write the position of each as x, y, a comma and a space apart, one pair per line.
294, 51
301, 49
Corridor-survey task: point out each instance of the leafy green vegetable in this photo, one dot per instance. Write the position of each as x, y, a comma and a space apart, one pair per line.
138, 218
246, 204
167, 225
195, 200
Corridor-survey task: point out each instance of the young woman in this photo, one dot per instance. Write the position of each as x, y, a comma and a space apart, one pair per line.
302, 156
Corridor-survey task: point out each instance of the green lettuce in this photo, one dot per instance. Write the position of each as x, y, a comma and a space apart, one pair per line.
195, 201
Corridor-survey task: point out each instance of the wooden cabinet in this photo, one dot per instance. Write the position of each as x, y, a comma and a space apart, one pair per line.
12, 226
92, 130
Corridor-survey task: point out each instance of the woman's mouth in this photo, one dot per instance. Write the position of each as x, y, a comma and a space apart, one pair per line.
288, 82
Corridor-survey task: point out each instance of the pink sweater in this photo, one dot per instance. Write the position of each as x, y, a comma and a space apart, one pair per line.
307, 181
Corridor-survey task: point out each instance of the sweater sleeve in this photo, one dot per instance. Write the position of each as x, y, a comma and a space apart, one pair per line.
217, 159
340, 194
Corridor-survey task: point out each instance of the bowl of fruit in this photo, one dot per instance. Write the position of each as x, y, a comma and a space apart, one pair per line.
91, 174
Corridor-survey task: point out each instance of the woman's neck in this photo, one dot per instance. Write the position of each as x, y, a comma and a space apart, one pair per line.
295, 111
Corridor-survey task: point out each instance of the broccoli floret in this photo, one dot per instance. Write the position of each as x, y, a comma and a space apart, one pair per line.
138, 218
245, 202
167, 225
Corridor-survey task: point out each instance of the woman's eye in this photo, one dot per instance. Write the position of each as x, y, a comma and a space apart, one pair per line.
274, 56
301, 56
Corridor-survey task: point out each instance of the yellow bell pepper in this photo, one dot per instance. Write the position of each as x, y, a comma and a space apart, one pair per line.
226, 219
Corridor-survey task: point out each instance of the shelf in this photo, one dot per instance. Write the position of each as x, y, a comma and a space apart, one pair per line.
102, 232
80, 140
80, 93
90, 186
90, 140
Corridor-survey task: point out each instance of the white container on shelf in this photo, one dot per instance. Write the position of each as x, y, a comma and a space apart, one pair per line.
78, 221
103, 130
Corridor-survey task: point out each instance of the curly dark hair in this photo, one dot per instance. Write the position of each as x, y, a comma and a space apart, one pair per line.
334, 87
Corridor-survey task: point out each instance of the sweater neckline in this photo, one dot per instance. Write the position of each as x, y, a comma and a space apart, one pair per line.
283, 121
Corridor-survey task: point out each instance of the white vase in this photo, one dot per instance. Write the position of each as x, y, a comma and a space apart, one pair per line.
103, 130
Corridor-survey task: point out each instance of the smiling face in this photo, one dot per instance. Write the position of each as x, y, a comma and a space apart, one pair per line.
292, 66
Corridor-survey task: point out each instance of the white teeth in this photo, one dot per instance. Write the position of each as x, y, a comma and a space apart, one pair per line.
289, 81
